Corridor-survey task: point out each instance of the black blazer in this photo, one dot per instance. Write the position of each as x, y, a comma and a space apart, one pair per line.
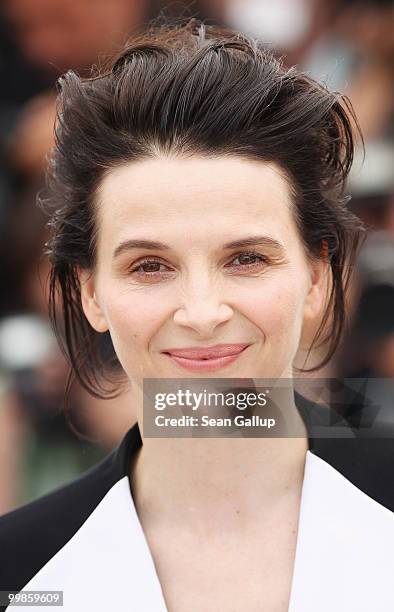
85, 538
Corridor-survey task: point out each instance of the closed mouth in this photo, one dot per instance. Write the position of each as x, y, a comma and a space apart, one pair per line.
197, 354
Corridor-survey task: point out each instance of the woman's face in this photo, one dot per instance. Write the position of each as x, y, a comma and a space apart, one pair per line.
195, 290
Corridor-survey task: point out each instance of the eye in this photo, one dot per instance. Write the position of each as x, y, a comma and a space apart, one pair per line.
246, 258
147, 268
150, 267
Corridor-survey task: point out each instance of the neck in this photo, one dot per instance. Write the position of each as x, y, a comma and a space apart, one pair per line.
216, 483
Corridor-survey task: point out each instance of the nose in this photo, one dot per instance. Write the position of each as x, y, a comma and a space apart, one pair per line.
203, 308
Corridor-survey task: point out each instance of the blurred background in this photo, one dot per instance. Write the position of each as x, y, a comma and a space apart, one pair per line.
347, 44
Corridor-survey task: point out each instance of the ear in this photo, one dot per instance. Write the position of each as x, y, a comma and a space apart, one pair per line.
313, 309
318, 287
90, 303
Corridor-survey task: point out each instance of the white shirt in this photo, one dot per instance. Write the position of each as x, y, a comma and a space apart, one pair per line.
98, 555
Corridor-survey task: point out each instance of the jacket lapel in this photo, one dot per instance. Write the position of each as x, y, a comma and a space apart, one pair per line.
344, 552
107, 564
344, 555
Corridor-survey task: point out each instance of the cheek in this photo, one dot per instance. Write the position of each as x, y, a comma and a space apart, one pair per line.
132, 319
276, 307
273, 306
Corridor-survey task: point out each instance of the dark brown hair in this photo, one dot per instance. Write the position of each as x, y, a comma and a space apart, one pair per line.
193, 88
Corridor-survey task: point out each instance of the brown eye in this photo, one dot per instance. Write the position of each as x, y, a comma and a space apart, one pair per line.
249, 260
147, 267
150, 266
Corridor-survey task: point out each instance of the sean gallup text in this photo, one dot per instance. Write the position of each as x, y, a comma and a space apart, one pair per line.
207, 421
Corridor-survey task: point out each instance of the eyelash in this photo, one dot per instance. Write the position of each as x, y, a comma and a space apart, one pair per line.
135, 268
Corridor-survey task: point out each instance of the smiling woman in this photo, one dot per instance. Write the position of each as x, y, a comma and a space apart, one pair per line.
197, 131
198, 215
206, 277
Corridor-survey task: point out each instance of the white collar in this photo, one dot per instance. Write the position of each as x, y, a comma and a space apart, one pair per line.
344, 555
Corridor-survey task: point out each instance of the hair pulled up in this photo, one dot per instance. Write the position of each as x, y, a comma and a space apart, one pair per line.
190, 88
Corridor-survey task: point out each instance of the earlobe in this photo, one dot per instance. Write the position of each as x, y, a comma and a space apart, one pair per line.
90, 303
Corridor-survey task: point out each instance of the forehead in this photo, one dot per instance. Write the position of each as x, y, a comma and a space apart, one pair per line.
197, 191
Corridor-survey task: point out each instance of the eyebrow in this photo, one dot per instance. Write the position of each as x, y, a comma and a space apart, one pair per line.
152, 245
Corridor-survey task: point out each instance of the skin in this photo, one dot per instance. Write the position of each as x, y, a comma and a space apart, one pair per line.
203, 295
187, 299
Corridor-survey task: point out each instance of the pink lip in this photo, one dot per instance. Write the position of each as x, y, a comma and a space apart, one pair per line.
227, 354
208, 352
